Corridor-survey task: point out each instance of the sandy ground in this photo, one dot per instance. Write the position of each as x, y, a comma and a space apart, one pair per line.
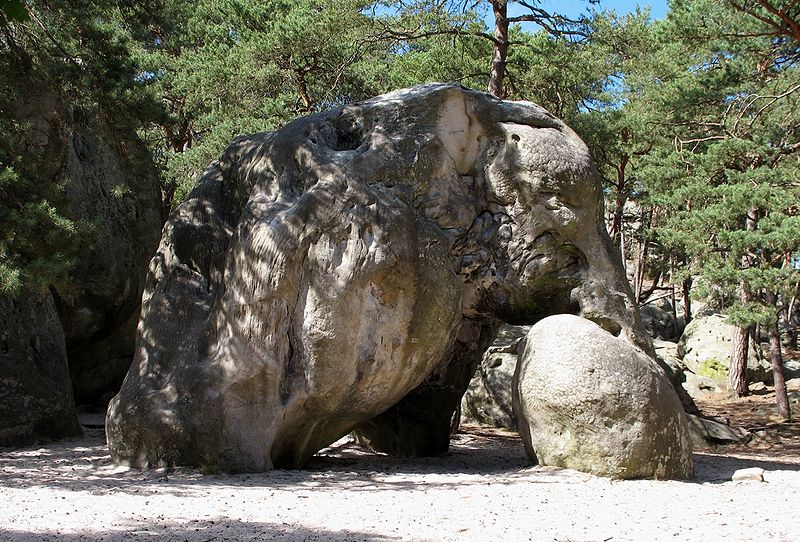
484, 489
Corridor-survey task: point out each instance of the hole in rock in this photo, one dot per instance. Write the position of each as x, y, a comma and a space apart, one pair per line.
348, 137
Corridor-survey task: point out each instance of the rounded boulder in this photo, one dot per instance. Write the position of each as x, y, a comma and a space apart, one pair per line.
590, 401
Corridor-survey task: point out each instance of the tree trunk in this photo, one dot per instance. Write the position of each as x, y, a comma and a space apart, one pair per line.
640, 270
302, 89
755, 340
455, 421
620, 199
737, 374
687, 300
788, 325
789, 319
498, 72
645, 222
674, 305
776, 357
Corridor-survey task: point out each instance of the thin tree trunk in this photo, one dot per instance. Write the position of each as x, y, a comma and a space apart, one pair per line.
455, 421
737, 373
789, 317
642, 254
302, 89
776, 357
620, 200
687, 300
791, 330
498, 71
755, 340
638, 274
617, 218
674, 305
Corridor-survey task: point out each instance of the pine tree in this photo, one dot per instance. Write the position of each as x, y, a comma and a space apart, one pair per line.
729, 105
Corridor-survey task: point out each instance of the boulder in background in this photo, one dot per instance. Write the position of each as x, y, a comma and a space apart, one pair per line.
488, 398
706, 346
35, 392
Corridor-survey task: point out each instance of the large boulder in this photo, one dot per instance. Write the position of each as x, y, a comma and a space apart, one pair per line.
706, 347
605, 407
35, 393
348, 271
488, 399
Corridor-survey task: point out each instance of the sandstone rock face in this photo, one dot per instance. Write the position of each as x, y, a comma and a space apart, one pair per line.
112, 183
604, 408
706, 346
348, 271
110, 180
660, 322
679, 376
35, 393
488, 399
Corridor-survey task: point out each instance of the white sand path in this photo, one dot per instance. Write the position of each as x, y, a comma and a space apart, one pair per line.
484, 489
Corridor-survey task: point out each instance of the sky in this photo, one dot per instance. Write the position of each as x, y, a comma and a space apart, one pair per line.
658, 8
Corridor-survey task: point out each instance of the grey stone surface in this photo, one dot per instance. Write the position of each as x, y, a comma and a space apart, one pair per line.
488, 399
605, 407
706, 346
348, 271
700, 387
791, 369
706, 430
659, 321
109, 181
35, 393
679, 376
112, 183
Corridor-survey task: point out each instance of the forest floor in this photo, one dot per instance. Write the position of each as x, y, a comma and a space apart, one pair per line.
484, 489
770, 436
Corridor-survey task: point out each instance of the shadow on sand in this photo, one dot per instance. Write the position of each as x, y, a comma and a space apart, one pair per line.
84, 464
201, 530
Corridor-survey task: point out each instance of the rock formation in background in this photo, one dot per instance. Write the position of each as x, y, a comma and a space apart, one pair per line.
86, 341
706, 346
660, 322
589, 401
110, 181
488, 399
35, 393
113, 184
348, 271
